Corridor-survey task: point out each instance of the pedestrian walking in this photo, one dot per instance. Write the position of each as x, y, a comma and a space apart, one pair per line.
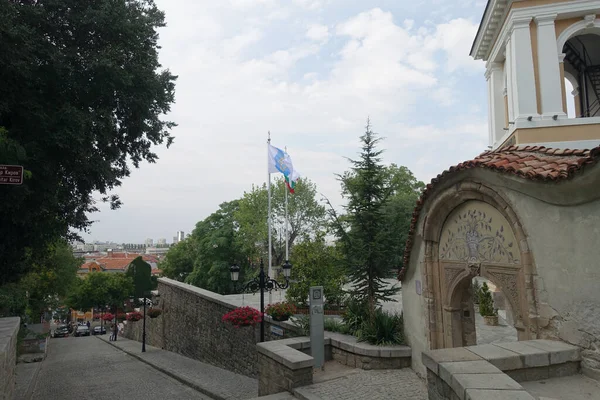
112, 332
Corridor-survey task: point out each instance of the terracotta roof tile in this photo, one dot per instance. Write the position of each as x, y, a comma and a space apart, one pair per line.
535, 163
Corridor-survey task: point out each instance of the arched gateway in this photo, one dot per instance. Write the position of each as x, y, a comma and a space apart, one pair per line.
472, 233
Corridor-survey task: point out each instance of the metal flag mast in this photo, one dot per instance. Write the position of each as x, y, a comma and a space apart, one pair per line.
287, 247
269, 272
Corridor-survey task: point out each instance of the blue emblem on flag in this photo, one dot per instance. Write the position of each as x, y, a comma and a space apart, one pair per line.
281, 164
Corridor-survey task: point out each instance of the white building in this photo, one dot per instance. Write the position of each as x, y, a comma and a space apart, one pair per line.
542, 60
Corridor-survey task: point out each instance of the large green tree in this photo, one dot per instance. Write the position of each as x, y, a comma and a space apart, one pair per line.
140, 273
101, 289
179, 260
305, 217
216, 246
81, 100
366, 237
405, 191
49, 282
317, 263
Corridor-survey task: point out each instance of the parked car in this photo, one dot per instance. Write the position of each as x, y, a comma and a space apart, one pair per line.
82, 330
61, 331
99, 330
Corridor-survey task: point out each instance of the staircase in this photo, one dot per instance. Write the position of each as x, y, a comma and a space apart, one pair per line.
591, 73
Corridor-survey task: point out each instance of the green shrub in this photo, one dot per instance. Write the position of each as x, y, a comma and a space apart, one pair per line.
355, 314
486, 303
303, 322
335, 325
383, 329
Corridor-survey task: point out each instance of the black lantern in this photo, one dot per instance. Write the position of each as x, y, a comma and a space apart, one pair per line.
287, 269
235, 272
262, 282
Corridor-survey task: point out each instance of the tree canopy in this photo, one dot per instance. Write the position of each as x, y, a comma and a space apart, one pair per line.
101, 289
305, 216
366, 236
81, 101
140, 273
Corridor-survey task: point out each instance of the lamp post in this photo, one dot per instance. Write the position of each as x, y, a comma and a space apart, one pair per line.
144, 327
261, 283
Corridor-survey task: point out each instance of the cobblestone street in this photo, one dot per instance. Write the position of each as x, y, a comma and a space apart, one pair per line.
401, 384
88, 368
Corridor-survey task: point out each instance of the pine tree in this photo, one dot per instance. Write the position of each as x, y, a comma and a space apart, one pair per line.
367, 242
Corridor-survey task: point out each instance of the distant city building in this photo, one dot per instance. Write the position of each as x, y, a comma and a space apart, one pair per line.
149, 242
162, 241
101, 247
180, 236
174, 239
157, 250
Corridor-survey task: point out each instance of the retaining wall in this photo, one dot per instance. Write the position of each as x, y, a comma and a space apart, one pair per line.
191, 325
9, 329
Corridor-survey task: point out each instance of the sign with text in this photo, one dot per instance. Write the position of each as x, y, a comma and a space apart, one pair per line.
317, 327
11, 175
276, 331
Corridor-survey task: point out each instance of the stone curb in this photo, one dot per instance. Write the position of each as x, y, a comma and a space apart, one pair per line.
304, 395
168, 372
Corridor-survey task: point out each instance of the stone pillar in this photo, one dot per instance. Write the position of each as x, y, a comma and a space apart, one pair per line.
495, 79
549, 68
522, 74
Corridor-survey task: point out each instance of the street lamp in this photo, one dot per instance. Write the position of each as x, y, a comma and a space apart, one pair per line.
261, 283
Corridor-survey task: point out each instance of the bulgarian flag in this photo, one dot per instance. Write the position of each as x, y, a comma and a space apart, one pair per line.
280, 161
290, 181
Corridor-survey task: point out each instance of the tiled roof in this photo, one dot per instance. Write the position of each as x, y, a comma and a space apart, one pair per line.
535, 163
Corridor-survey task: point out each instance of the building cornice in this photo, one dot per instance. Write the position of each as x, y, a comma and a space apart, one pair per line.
497, 22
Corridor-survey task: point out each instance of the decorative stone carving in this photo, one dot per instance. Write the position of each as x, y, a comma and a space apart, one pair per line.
508, 284
475, 232
450, 274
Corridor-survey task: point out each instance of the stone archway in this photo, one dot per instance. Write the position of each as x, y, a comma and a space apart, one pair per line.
474, 232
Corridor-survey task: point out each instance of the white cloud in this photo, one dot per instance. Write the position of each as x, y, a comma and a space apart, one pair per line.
455, 38
242, 74
318, 32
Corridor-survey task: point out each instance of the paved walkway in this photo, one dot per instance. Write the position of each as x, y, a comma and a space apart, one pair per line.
398, 384
85, 368
213, 381
576, 387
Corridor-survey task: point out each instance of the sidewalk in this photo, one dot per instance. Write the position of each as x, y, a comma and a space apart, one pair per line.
215, 382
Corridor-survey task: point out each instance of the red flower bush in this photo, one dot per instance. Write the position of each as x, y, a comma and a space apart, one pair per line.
280, 311
108, 317
242, 316
121, 316
134, 316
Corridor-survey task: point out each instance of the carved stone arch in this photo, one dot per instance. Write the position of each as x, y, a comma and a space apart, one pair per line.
448, 279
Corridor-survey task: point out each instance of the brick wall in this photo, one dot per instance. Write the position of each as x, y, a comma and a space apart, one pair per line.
191, 326
9, 329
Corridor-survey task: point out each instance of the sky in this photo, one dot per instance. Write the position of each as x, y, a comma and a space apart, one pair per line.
311, 72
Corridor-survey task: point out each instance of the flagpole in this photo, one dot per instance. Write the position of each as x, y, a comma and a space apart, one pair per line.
269, 211
287, 246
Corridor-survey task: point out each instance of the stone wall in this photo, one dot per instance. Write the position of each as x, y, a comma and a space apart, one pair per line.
552, 291
287, 364
494, 371
275, 377
191, 325
9, 329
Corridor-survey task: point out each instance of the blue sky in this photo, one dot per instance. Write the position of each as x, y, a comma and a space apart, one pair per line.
311, 72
